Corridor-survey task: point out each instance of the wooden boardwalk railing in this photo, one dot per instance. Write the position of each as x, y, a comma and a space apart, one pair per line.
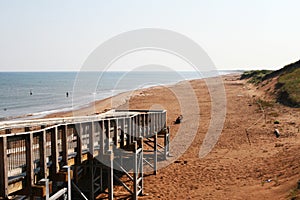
98, 149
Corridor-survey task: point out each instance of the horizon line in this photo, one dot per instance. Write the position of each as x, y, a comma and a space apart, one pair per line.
4, 71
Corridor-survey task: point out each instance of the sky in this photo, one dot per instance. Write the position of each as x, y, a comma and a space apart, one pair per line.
58, 35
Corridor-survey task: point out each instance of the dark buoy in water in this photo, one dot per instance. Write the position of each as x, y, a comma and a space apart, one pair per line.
30, 92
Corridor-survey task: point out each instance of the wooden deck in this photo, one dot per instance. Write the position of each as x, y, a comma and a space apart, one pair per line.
102, 151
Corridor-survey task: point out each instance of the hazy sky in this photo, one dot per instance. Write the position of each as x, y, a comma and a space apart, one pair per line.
56, 35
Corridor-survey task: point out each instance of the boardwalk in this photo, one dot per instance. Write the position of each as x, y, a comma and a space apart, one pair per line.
102, 151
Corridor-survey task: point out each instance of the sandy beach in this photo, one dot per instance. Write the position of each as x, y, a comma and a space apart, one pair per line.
251, 164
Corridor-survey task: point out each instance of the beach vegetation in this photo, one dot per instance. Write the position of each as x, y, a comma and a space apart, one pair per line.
255, 76
293, 194
264, 103
288, 87
287, 83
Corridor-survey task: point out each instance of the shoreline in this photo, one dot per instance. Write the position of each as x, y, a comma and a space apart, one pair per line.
63, 109
119, 100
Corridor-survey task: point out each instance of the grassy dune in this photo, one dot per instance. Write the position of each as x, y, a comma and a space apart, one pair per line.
287, 86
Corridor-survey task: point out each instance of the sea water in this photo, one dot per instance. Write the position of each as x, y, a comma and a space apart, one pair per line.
34, 94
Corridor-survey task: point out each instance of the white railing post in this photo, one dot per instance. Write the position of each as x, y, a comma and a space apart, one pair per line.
46, 182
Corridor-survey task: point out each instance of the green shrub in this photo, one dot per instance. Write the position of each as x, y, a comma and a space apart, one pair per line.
289, 88
255, 76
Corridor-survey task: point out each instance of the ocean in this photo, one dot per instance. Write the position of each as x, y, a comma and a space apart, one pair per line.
36, 94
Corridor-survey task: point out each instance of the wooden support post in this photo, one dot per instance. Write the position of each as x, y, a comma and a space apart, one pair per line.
166, 143
138, 168
159, 128
162, 119
139, 127
135, 171
54, 152
128, 140
132, 130
122, 124
29, 163
159, 121
142, 125
101, 142
116, 135
91, 159
3, 168
78, 158
91, 179
43, 156
64, 142
165, 119
79, 144
107, 134
155, 153
101, 176
8, 131
91, 139
141, 183
111, 176
147, 125
136, 131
